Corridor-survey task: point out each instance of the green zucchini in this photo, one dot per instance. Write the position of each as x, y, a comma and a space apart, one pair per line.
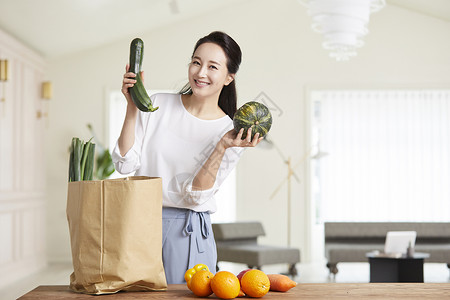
138, 92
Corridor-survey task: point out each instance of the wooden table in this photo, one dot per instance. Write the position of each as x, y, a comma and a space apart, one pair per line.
301, 291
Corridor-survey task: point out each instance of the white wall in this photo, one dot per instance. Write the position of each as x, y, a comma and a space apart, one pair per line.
282, 56
22, 167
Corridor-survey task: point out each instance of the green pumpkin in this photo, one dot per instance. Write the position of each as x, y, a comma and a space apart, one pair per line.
253, 114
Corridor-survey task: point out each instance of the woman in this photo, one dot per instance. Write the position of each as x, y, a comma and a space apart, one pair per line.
190, 143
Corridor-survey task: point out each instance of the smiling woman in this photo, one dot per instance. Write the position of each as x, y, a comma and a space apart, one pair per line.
225, 196
226, 59
191, 144
208, 77
208, 73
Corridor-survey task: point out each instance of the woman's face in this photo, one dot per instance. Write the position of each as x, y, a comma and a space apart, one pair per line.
208, 71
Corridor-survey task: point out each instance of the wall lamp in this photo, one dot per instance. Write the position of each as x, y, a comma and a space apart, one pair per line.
46, 94
3, 76
3, 70
47, 90
3, 79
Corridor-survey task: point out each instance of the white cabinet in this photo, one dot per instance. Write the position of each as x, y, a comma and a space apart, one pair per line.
22, 166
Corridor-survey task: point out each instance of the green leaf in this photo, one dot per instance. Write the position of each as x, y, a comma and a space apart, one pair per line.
105, 166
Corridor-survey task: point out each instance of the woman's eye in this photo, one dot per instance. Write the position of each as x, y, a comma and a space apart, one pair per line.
213, 67
195, 63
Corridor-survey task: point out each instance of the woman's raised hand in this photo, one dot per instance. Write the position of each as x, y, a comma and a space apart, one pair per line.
129, 81
233, 139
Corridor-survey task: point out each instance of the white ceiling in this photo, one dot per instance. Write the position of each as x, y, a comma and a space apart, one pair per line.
434, 8
59, 27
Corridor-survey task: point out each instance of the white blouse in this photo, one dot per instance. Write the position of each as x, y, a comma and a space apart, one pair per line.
173, 144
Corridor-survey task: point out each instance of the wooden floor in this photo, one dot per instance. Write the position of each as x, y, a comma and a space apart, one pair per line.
58, 274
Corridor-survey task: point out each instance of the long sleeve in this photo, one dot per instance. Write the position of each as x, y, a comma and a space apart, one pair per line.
228, 163
173, 144
131, 161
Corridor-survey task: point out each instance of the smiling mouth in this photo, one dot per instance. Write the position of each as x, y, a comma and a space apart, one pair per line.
201, 83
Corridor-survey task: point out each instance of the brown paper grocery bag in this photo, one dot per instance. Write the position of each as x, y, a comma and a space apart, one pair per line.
116, 235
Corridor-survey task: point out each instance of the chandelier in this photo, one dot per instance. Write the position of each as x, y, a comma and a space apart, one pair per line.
343, 23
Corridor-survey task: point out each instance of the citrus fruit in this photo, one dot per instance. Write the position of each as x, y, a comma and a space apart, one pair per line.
239, 276
200, 283
225, 285
190, 272
255, 283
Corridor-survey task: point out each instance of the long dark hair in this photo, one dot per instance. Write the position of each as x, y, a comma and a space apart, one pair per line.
228, 95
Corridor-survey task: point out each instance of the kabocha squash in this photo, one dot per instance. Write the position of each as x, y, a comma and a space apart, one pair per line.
138, 92
253, 114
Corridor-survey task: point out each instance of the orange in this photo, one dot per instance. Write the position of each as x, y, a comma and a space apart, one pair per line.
255, 283
200, 283
225, 285
189, 273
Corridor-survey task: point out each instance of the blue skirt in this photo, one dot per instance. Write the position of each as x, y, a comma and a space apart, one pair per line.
188, 240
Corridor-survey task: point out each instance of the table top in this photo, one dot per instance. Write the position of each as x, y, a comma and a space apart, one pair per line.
377, 254
302, 291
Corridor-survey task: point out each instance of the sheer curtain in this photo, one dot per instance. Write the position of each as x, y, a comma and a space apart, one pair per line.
388, 155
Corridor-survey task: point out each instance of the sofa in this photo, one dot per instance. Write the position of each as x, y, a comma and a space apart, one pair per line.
350, 241
238, 242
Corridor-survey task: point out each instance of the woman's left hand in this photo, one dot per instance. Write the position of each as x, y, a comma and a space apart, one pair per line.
233, 139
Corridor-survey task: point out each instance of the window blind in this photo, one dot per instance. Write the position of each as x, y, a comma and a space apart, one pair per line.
389, 155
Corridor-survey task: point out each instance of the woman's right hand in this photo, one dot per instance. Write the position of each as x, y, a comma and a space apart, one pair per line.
128, 82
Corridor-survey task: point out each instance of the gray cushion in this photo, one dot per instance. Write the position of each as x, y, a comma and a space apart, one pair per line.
379, 229
349, 253
357, 252
258, 255
238, 230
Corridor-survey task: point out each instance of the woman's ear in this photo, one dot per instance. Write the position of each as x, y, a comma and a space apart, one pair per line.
230, 79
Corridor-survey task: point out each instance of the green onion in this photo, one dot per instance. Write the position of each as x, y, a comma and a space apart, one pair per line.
81, 160
89, 165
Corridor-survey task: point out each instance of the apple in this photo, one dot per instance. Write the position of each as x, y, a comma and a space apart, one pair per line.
239, 276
